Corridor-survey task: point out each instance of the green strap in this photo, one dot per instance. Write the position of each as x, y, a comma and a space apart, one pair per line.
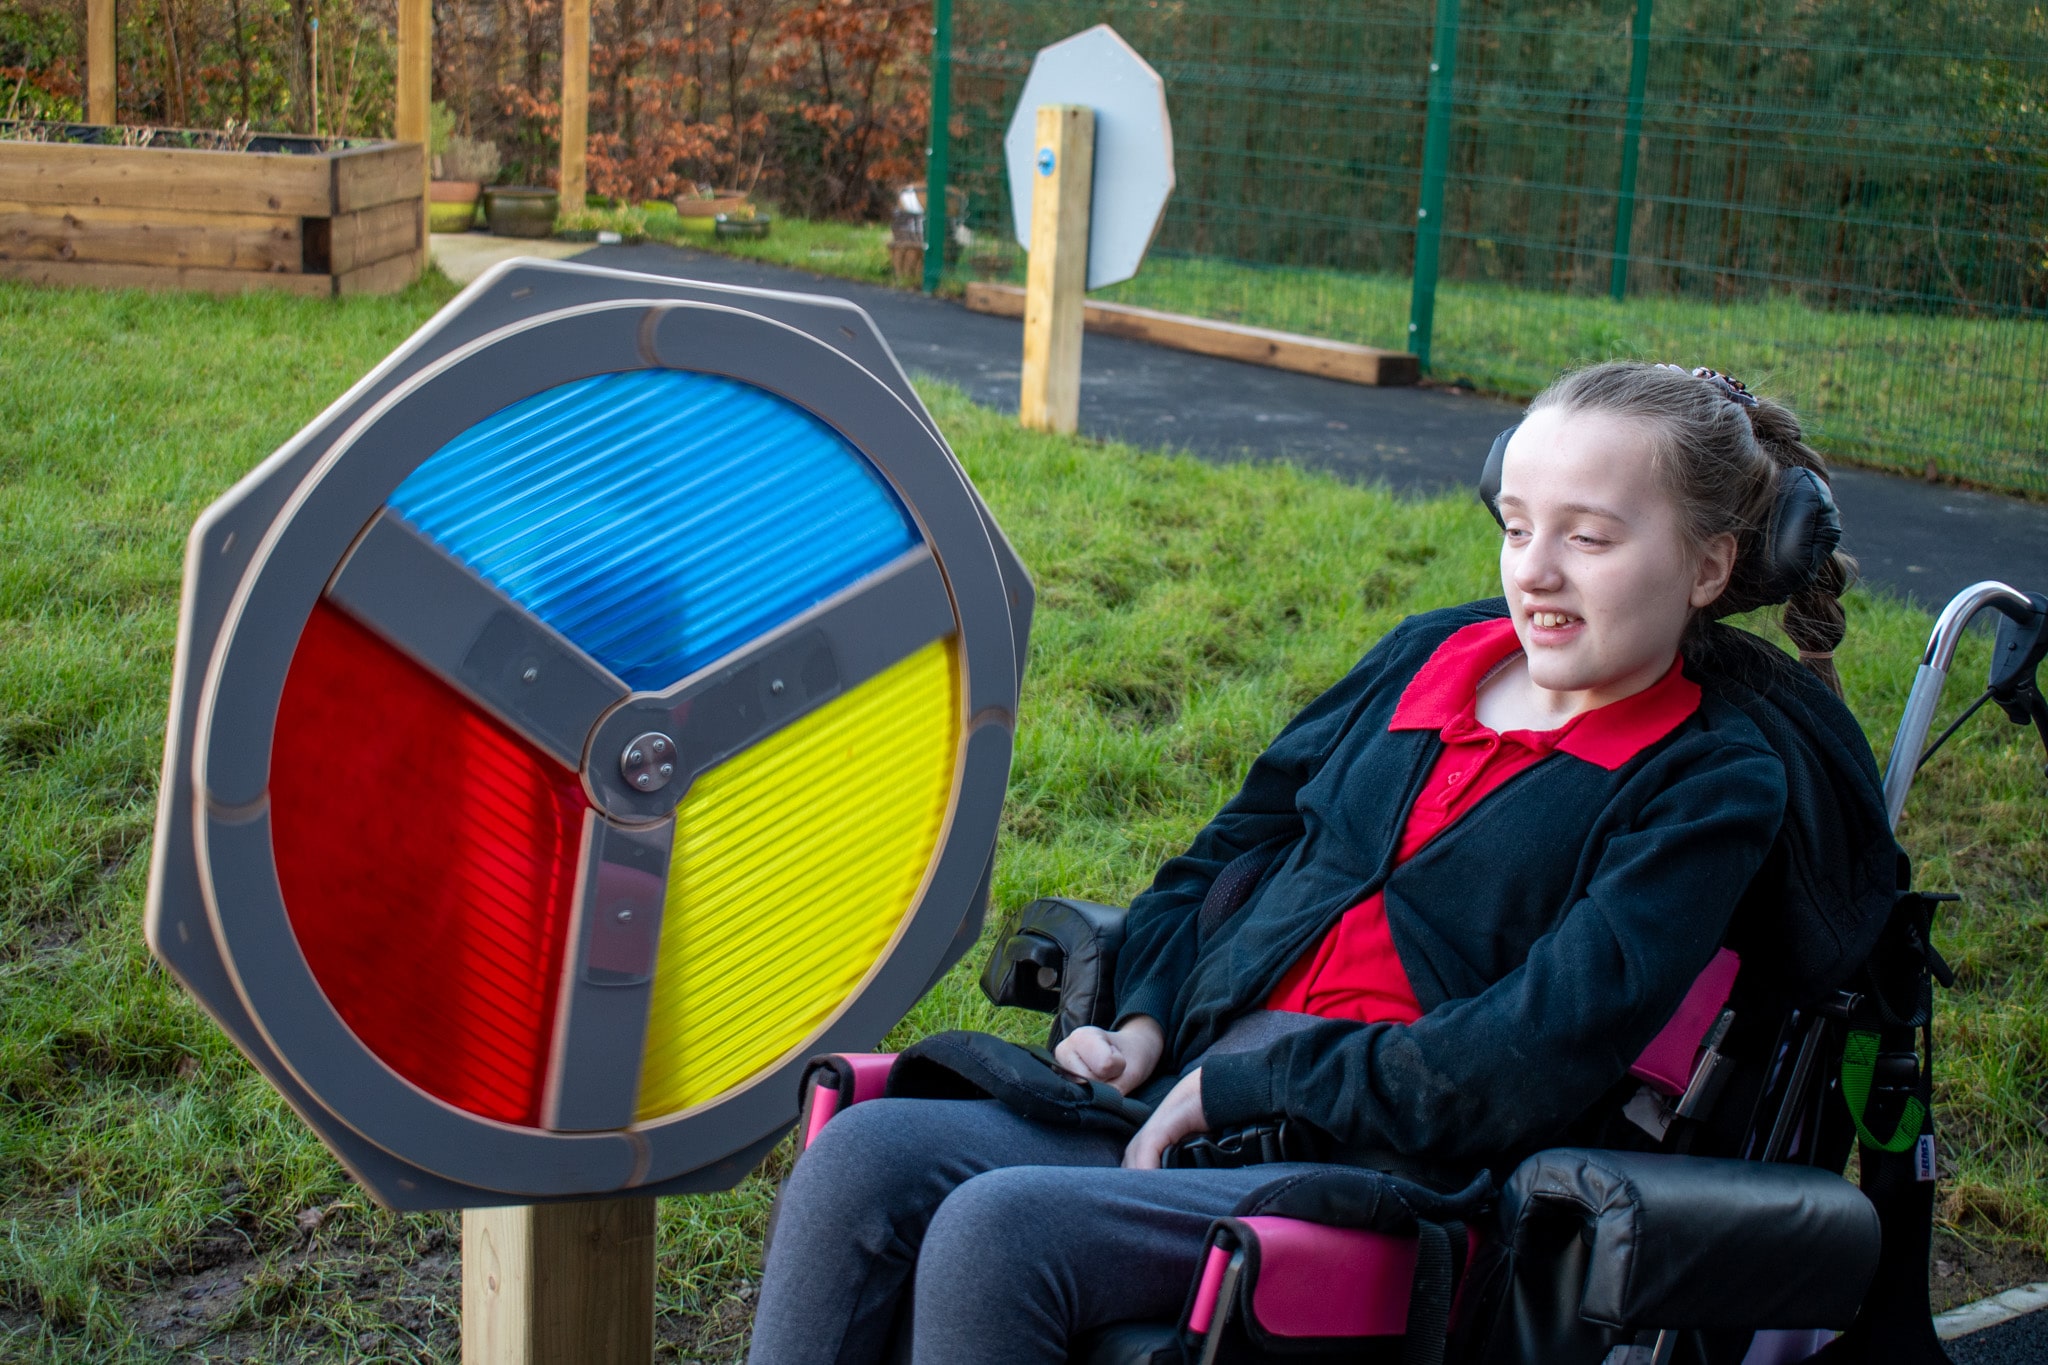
1859, 1066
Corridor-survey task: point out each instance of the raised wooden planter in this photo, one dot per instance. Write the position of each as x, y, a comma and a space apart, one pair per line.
305, 215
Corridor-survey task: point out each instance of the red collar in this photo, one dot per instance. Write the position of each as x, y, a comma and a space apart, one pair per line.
1445, 690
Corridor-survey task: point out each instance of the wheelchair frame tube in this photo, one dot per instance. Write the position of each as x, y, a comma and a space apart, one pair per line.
1918, 718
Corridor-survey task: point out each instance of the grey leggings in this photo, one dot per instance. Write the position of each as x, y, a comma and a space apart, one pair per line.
1021, 1237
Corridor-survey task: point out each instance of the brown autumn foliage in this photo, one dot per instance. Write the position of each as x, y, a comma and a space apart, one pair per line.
819, 104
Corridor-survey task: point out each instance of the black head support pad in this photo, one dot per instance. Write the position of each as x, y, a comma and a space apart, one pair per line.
1805, 526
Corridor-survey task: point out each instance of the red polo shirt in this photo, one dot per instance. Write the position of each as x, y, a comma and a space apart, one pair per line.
1354, 973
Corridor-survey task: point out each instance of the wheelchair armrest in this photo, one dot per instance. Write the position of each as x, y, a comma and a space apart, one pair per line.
1690, 1242
1058, 956
835, 1081
1288, 1277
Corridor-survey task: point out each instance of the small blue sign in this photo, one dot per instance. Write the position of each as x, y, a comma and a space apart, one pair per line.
1045, 161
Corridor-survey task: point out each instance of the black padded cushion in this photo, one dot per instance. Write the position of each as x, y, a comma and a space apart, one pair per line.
1702, 1242
1080, 940
1131, 1343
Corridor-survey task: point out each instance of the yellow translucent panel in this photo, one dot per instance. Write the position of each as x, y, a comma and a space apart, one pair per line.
795, 861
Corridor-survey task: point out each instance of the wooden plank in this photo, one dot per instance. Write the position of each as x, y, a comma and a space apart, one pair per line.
365, 177
1343, 360
387, 276
46, 232
559, 1284
161, 177
415, 80
575, 101
372, 235
103, 275
1056, 281
99, 61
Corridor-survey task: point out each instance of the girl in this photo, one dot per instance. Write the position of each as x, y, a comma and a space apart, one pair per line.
1507, 842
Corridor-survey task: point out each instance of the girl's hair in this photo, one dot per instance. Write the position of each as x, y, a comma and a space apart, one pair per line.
1720, 450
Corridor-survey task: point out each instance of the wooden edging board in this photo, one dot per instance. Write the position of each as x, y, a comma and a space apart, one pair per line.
1228, 340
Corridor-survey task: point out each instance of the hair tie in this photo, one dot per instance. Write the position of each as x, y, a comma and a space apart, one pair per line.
1730, 388
1816, 654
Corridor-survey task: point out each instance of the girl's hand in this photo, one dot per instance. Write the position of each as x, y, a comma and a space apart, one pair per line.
1179, 1115
1123, 1059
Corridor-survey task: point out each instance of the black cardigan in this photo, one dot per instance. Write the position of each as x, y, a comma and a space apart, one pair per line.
1548, 935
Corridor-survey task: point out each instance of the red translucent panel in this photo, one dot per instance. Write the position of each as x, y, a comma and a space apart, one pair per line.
428, 860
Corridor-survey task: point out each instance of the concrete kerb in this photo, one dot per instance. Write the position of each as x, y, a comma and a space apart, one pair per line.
1975, 1317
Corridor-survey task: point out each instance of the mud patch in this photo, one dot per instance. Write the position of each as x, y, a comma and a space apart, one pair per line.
1970, 1268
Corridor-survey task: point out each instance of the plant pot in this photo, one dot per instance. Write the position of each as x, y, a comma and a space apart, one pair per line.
521, 210
451, 217
454, 192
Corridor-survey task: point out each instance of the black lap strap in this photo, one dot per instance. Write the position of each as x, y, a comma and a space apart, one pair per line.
1439, 1265
1234, 884
964, 1065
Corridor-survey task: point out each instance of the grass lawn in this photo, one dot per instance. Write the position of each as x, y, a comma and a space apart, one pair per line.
1896, 390
160, 1203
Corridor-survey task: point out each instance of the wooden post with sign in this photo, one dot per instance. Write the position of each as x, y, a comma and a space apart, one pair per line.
575, 101
99, 61
559, 1284
1056, 285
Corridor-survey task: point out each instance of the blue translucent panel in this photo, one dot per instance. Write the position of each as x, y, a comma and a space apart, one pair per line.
658, 518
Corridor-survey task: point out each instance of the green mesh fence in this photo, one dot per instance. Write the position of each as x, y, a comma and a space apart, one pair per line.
1844, 202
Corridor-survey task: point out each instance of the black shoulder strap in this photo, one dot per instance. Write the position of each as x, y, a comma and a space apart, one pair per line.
1234, 884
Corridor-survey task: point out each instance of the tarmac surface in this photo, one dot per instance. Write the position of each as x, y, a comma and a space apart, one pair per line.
1924, 541
2017, 1341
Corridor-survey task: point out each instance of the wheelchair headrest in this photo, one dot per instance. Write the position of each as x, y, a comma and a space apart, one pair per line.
1805, 525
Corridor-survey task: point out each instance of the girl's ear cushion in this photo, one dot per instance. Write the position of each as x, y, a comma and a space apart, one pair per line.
1806, 527
1489, 475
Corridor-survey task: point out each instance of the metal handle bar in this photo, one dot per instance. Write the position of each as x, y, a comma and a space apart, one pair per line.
1933, 674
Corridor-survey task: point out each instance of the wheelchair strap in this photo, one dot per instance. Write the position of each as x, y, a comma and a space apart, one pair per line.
1438, 1268
1859, 1068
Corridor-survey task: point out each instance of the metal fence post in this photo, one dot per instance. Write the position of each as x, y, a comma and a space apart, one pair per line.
937, 218
1436, 152
1625, 209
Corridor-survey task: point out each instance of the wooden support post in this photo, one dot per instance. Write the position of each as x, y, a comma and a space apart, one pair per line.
575, 100
99, 61
416, 80
559, 1284
1056, 284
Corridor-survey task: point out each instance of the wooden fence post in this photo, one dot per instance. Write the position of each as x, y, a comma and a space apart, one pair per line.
559, 1284
575, 101
416, 85
99, 61
1056, 284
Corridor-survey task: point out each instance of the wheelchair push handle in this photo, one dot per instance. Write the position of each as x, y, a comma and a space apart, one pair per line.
2022, 641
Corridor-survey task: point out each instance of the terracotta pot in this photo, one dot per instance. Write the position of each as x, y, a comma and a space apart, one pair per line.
454, 191
521, 210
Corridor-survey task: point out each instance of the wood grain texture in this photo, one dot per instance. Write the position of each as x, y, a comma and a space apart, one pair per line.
102, 275
575, 101
1343, 360
372, 235
163, 237
165, 178
365, 177
1056, 282
99, 61
414, 77
387, 276
559, 1284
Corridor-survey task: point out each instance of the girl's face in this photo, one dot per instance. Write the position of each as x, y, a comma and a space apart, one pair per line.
1596, 569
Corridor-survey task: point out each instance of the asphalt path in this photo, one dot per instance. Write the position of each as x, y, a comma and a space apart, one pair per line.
2017, 1341
1923, 541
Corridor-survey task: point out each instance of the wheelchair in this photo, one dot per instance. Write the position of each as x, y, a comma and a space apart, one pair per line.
1710, 1223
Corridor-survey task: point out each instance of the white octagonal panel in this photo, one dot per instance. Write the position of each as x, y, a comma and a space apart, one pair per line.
1133, 145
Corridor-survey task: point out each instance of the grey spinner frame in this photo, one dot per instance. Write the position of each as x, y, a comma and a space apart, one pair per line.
260, 558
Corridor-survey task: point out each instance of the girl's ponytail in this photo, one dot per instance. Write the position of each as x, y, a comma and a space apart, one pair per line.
1813, 618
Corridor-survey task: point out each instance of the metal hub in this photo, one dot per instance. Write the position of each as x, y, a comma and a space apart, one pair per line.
649, 761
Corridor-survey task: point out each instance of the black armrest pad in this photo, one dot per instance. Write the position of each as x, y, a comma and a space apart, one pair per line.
1074, 939
1703, 1242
